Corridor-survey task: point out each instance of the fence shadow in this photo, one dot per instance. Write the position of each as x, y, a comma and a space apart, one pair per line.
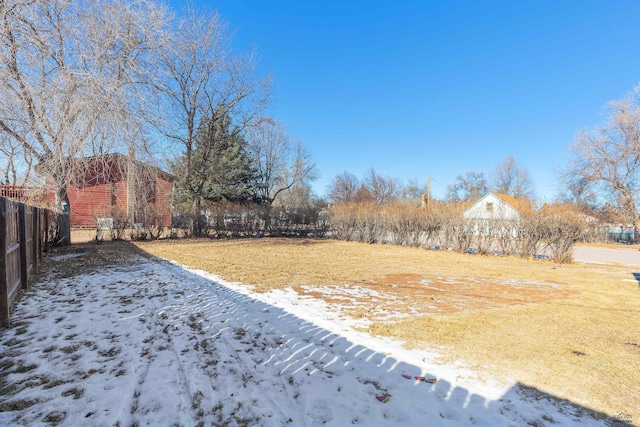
222, 342
314, 350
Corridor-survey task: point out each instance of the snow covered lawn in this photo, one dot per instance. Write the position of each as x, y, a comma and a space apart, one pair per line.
147, 342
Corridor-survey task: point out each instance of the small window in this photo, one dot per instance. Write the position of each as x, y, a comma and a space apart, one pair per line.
489, 207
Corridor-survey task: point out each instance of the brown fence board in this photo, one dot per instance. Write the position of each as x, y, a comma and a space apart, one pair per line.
4, 289
23, 234
12, 250
29, 238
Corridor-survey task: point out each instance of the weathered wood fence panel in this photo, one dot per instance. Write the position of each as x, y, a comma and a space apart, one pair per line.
23, 238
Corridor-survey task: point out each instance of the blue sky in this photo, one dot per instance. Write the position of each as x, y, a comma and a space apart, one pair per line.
417, 88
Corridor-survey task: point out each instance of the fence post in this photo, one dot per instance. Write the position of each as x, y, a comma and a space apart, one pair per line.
4, 286
46, 230
39, 234
22, 233
35, 236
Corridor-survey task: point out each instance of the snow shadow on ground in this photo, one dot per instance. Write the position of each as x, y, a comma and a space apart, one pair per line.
145, 342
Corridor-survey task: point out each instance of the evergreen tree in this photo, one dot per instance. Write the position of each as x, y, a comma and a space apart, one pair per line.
221, 168
226, 168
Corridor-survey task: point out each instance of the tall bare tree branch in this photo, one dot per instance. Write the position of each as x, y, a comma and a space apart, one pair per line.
281, 162
205, 81
512, 179
608, 157
72, 73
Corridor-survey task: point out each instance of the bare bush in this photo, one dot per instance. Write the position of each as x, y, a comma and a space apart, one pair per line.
531, 232
457, 234
484, 235
535, 234
565, 227
404, 225
342, 221
368, 224
505, 238
111, 223
432, 226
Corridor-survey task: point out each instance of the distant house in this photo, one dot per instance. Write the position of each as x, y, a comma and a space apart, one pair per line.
496, 206
101, 187
496, 212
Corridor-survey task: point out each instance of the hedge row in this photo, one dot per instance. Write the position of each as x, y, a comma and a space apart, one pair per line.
552, 234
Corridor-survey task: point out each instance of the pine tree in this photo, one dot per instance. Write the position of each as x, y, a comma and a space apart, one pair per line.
226, 166
221, 168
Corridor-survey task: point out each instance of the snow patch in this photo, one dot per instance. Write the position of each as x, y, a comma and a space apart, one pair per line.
147, 342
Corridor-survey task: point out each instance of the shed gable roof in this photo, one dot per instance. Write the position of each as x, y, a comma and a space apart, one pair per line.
515, 204
511, 201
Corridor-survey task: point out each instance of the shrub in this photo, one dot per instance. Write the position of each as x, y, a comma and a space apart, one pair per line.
553, 231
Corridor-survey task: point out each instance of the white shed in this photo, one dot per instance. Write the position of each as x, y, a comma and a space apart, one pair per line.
494, 206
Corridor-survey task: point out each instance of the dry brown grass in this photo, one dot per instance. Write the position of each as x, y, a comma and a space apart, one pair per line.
568, 330
82, 235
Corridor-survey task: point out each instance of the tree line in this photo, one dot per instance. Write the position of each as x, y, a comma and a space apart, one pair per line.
508, 178
82, 78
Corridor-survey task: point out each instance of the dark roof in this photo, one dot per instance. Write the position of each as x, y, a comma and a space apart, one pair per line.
123, 162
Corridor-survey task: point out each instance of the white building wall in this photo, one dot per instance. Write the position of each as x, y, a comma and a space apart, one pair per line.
491, 207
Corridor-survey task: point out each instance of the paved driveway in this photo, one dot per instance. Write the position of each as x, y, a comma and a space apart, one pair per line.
625, 255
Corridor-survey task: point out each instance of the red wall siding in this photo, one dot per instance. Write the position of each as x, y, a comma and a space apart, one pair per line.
163, 200
104, 188
120, 190
88, 203
91, 202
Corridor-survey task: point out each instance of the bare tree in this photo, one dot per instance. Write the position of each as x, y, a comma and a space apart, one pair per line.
364, 196
71, 73
382, 189
343, 188
608, 156
205, 83
468, 187
512, 179
578, 192
16, 164
281, 163
413, 189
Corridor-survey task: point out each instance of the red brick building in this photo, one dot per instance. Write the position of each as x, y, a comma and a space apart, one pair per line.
119, 187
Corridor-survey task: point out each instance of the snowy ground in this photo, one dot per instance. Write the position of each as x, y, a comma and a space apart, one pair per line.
146, 342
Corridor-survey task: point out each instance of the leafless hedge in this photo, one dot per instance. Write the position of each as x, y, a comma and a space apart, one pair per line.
217, 220
551, 234
112, 223
227, 220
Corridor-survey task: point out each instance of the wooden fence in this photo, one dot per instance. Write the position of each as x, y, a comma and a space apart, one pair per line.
23, 239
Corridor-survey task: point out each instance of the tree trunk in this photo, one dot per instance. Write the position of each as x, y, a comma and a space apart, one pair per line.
63, 212
629, 205
197, 226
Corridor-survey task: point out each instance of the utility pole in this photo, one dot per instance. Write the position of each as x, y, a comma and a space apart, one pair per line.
428, 191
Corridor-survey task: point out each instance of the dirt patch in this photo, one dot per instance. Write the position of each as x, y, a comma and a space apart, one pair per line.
86, 258
413, 294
